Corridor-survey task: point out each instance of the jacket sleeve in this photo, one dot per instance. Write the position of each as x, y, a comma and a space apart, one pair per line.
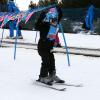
39, 21
60, 14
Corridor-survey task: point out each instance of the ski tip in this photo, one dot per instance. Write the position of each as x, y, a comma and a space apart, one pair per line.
64, 89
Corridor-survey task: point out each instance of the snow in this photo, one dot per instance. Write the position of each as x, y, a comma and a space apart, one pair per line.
17, 77
74, 40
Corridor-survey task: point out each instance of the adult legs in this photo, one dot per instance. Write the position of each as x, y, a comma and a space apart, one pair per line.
11, 29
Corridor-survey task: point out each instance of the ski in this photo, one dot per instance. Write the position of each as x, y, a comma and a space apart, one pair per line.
68, 84
50, 86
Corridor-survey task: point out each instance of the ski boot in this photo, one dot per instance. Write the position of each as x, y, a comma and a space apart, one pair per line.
45, 80
55, 78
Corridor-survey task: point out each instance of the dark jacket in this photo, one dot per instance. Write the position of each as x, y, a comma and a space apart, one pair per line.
42, 26
44, 43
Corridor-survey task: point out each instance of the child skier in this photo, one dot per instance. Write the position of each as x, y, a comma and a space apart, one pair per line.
48, 26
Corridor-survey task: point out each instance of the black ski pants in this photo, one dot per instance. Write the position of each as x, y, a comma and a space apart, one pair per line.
47, 57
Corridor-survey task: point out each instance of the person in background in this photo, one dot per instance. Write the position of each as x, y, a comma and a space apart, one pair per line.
89, 18
47, 24
12, 24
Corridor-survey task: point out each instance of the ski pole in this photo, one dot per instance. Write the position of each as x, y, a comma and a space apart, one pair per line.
66, 47
2, 37
15, 42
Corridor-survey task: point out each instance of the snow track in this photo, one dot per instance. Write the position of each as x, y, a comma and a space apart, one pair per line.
72, 50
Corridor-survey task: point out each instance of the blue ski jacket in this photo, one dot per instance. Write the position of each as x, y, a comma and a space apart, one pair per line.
12, 7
